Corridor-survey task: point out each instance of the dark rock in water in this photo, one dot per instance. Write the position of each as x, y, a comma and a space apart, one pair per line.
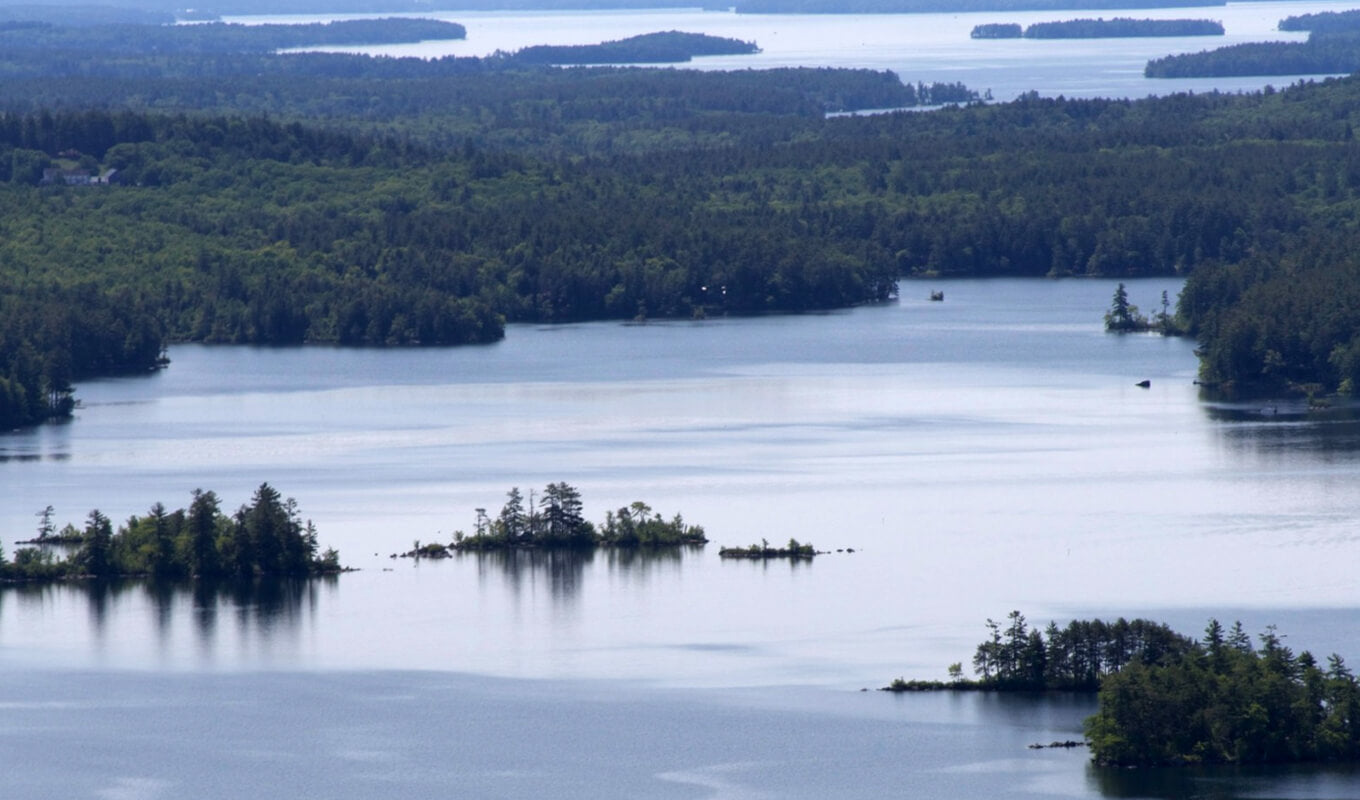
1143, 384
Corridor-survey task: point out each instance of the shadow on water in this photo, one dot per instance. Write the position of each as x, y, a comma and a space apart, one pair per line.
1227, 783
1286, 427
565, 570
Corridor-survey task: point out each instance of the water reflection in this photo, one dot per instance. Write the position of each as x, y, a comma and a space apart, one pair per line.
566, 570
1286, 427
1227, 783
126, 614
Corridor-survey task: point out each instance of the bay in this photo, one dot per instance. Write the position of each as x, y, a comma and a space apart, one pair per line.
980, 454
918, 47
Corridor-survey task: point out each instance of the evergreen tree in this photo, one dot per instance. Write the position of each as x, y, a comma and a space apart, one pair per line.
95, 553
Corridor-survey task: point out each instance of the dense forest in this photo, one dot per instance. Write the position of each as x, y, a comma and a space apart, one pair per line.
1123, 27
1166, 699
1325, 53
1225, 701
395, 201
1078, 657
1327, 21
264, 537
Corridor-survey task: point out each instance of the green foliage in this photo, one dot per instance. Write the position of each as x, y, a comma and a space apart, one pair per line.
793, 550
557, 522
1326, 52
1225, 702
1076, 658
1123, 316
266, 537
1323, 21
431, 202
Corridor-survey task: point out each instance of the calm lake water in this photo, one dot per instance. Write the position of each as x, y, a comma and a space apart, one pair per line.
983, 454
918, 47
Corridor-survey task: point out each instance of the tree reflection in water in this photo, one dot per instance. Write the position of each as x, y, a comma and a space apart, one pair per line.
565, 569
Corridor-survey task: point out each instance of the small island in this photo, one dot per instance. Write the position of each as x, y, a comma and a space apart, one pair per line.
1168, 700
264, 537
666, 47
1124, 317
793, 550
555, 521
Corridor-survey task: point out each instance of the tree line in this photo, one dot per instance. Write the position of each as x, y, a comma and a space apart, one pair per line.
1225, 701
1123, 27
667, 47
551, 195
950, 6
1326, 52
218, 37
266, 536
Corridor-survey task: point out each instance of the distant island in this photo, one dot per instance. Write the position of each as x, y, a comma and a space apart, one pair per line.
556, 521
1119, 27
220, 37
264, 537
667, 47
1166, 699
951, 6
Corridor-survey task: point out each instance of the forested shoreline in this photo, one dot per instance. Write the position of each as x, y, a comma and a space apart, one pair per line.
1117, 28
1166, 699
399, 202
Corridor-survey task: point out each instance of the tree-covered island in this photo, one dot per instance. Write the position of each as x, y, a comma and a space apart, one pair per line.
555, 520
667, 47
1119, 27
1123, 27
1166, 699
266, 536
950, 6
794, 550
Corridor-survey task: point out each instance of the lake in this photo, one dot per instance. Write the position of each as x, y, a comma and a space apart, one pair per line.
986, 453
918, 47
